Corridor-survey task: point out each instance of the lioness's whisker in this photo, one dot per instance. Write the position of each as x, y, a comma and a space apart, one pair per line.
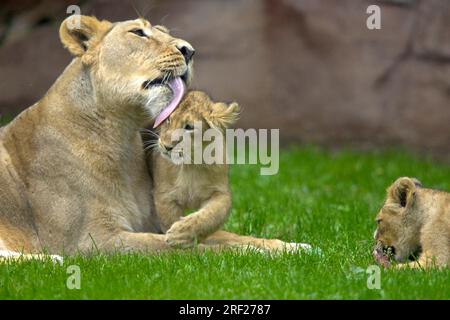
164, 79
167, 76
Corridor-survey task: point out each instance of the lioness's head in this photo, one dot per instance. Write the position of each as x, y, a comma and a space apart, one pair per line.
196, 114
131, 65
397, 232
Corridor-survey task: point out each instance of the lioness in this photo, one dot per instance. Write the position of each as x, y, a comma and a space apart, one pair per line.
73, 173
413, 221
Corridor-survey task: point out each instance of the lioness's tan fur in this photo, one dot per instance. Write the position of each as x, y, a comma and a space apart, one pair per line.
73, 173
415, 219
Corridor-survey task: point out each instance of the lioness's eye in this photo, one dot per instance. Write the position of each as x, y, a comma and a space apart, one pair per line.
139, 32
189, 127
378, 221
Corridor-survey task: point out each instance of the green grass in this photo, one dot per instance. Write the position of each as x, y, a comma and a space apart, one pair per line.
326, 199
5, 119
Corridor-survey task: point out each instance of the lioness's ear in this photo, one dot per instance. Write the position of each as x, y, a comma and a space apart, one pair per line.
402, 191
79, 33
222, 116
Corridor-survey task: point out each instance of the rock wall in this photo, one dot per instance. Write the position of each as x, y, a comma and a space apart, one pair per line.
308, 67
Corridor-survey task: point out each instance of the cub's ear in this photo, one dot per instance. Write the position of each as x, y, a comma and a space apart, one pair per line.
79, 33
221, 115
402, 191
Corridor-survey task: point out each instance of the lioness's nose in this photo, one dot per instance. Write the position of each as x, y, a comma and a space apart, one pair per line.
186, 51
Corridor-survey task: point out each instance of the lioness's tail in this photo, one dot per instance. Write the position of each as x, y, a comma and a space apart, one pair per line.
9, 256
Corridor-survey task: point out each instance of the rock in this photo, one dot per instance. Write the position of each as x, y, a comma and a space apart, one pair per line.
310, 68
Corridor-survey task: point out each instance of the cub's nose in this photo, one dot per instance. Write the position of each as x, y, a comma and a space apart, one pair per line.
168, 148
187, 52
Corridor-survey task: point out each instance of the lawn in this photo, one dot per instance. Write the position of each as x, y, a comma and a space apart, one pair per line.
323, 198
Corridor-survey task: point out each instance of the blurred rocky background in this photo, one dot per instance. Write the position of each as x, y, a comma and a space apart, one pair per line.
308, 67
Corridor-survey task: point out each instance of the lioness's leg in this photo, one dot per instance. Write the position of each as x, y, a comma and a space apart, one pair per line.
229, 239
148, 243
125, 241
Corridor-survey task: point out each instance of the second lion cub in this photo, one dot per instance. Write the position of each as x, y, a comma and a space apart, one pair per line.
413, 221
182, 187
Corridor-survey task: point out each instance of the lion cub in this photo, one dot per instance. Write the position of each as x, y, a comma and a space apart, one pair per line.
179, 186
413, 221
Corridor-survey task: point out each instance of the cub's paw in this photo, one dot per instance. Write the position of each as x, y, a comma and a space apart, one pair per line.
181, 235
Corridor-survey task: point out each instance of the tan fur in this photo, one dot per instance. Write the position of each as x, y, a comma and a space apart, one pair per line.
73, 173
415, 219
201, 187
191, 186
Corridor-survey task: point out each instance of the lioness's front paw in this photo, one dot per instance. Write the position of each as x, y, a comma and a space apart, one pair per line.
181, 235
293, 247
56, 259
296, 247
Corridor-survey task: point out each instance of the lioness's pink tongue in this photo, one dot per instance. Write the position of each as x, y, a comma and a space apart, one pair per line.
177, 87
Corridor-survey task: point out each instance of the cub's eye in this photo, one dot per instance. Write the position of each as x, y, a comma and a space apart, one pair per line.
189, 127
139, 32
379, 221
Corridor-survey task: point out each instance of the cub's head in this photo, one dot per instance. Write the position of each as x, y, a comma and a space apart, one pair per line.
131, 64
397, 222
195, 117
